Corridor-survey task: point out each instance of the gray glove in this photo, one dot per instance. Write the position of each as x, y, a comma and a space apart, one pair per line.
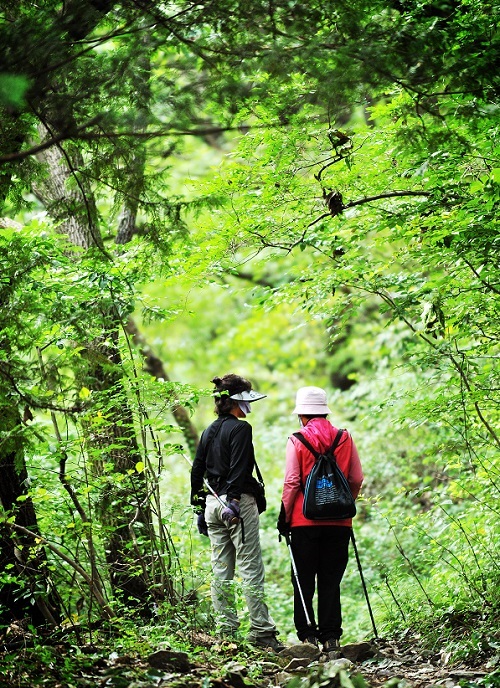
231, 513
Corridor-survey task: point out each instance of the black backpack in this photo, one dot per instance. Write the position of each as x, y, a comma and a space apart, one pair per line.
327, 495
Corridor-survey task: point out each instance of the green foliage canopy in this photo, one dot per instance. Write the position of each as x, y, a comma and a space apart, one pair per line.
361, 194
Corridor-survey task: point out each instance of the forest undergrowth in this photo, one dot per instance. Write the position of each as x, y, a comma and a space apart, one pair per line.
300, 193
142, 656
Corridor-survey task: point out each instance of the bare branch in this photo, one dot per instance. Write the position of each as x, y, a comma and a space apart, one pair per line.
75, 136
390, 194
369, 199
48, 143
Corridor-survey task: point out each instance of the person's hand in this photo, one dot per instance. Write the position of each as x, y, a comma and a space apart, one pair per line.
202, 524
282, 525
231, 512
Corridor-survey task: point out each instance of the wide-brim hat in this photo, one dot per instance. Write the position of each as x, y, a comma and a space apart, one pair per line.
311, 401
250, 396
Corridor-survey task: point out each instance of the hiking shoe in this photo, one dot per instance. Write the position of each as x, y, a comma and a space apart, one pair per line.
312, 640
331, 647
268, 642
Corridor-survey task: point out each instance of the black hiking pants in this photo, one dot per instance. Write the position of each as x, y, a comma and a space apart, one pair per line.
321, 555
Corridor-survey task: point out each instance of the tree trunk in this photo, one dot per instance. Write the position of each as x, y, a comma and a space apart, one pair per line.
26, 590
125, 501
73, 208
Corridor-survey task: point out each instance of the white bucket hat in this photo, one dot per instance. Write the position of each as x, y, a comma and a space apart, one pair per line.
252, 395
311, 401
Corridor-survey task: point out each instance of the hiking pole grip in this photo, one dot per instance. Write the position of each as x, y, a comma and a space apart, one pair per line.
296, 576
358, 561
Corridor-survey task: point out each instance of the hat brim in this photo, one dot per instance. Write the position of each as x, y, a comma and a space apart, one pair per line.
312, 410
248, 396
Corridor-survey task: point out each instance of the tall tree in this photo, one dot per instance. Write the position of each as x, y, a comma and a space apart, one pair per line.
27, 589
382, 155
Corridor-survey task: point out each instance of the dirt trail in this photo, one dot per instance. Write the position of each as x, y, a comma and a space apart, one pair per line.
416, 669
215, 664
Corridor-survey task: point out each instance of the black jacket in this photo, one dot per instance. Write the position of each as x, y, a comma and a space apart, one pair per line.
225, 456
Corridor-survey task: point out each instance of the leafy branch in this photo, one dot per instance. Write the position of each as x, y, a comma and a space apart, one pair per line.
93, 586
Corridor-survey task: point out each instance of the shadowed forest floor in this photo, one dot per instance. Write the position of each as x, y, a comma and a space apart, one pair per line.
207, 663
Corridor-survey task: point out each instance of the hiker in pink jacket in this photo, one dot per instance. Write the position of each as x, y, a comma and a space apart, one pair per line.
320, 548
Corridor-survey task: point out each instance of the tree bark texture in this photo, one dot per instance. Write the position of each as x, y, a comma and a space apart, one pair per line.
68, 197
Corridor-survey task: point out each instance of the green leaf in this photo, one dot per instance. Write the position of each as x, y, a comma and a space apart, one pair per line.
84, 393
13, 90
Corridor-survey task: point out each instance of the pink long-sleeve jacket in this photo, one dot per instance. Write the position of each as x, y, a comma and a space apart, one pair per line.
299, 462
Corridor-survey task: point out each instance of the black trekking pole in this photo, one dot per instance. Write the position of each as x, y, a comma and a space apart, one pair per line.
363, 582
296, 576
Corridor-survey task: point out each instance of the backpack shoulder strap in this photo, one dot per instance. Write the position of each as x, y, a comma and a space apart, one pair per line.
259, 474
332, 449
313, 451
213, 432
309, 446
306, 443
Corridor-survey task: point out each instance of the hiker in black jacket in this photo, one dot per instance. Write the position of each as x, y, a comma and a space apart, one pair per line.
225, 458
